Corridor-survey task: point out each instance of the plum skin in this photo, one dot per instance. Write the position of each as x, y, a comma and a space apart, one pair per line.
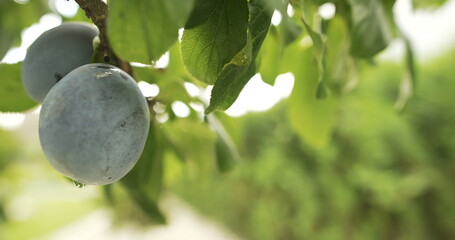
93, 124
54, 54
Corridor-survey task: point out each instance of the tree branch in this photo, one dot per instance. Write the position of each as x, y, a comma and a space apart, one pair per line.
96, 10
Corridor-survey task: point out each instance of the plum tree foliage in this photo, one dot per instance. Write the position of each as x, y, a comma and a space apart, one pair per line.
54, 54
94, 122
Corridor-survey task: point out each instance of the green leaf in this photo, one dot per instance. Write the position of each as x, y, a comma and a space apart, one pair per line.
238, 72
410, 61
142, 31
176, 65
313, 119
289, 30
214, 34
144, 182
79, 17
226, 154
319, 55
388, 5
16, 17
6, 41
194, 143
419, 4
370, 30
318, 44
2, 212
231, 81
9, 149
170, 84
269, 57
149, 207
13, 97
408, 81
340, 71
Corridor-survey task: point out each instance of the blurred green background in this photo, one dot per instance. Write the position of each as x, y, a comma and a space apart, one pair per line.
352, 166
385, 174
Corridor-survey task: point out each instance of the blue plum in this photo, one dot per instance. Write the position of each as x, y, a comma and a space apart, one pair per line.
54, 54
94, 123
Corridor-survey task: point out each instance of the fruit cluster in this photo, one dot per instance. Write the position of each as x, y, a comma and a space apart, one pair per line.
94, 119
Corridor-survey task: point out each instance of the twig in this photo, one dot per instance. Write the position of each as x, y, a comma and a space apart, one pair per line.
96, 10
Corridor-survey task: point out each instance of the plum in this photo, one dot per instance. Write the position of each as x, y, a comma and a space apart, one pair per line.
94, 123
54, 54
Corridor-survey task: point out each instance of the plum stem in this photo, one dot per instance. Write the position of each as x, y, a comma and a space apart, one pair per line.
96, 10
